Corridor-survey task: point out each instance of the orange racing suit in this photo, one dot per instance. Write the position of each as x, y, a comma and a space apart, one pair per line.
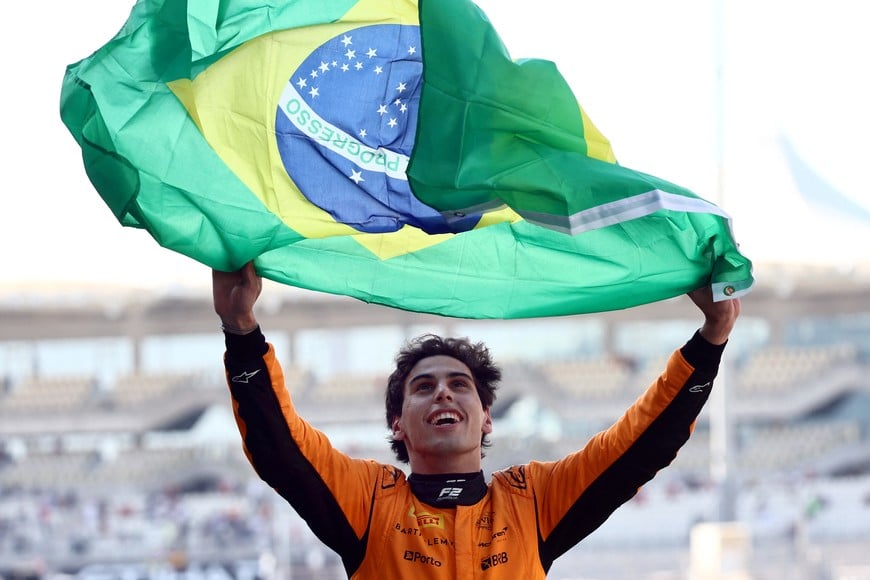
515, 526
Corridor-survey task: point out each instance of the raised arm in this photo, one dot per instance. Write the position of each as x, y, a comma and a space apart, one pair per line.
328, 489
234, 295
575, 495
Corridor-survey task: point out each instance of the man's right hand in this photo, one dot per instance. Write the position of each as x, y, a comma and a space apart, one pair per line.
719, 317
235, 294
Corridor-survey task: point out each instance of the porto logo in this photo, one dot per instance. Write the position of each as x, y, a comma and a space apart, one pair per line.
413, 556
346, 125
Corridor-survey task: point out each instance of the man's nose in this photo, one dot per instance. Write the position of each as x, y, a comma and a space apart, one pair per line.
442, 391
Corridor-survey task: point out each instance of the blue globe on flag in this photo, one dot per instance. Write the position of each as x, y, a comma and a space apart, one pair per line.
345, 129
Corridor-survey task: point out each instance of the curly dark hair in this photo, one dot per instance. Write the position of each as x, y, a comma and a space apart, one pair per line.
475, 356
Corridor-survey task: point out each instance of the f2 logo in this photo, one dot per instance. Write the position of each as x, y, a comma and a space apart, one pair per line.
449, 493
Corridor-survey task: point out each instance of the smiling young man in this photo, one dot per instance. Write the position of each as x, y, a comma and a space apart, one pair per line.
442, 417
444, 520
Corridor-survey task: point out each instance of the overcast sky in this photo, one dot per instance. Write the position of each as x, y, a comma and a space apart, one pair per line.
644, 71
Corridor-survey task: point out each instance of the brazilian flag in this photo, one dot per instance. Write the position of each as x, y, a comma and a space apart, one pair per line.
387, 150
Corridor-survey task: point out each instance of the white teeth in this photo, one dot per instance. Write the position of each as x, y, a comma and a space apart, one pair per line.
446, 416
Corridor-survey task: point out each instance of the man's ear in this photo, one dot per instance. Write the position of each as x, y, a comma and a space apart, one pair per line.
398, 432
487, 421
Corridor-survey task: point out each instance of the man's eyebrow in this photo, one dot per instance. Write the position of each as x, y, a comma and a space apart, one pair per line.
451, 375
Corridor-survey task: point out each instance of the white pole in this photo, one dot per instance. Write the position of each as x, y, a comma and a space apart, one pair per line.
721, 423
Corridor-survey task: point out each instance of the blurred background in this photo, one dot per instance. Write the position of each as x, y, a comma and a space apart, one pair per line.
118, 453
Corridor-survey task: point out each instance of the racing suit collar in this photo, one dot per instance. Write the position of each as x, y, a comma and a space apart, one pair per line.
448, 489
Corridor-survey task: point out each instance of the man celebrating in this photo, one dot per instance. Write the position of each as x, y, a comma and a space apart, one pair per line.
444, 520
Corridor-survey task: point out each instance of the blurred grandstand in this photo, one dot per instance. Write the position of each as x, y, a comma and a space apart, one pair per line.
119, 457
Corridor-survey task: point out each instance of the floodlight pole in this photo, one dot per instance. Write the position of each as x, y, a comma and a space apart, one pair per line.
722, 437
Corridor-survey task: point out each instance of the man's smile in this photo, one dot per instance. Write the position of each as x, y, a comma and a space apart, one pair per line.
444, 417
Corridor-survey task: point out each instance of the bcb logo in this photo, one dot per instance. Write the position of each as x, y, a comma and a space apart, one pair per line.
493, 561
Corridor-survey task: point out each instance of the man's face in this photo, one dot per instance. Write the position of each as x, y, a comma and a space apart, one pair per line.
443, 418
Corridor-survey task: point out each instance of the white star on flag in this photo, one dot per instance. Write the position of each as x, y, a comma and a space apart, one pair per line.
350, 54
314, 92
345, 40
401, 88
371, 53
382, 110
324, 67
393, 122
302, 83
363, 133
356, 176
378, 70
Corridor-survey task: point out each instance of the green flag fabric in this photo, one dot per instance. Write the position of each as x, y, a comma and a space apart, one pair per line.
386, 151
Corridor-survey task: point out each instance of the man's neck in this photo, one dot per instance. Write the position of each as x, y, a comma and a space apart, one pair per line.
438, 465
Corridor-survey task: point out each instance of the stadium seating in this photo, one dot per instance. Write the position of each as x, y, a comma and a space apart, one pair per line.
63, 394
